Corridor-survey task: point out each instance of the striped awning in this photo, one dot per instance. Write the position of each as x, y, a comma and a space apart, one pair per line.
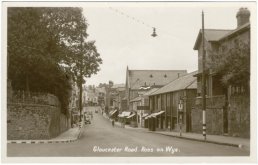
124, 114
113, 112
132, 115
155, 114
145, 115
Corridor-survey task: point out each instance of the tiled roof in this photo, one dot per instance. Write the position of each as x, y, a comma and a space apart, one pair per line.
150, 91
233, 32
138, 78
184, 82
210, 35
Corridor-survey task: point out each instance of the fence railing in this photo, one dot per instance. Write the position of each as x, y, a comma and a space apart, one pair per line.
33, 98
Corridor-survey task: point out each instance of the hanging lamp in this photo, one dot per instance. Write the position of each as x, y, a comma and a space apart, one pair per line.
154, 33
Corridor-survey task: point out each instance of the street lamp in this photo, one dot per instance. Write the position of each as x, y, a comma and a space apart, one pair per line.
154, 32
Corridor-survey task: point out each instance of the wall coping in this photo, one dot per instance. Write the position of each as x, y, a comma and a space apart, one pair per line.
40, 105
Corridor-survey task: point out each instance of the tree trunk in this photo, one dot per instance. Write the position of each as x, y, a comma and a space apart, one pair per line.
80, 98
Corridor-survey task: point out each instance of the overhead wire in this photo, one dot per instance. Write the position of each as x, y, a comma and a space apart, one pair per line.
141, 22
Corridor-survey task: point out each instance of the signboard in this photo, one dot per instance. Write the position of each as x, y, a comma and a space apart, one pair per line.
143, 108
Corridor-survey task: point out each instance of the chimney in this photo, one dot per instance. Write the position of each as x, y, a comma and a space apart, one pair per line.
242, 16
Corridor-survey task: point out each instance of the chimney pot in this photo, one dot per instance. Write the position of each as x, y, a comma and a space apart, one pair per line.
242, 16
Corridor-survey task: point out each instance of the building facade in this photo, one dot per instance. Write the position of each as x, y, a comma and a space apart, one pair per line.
223, 113
164, 104
138, 81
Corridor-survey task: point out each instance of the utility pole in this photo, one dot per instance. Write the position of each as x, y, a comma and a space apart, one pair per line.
203, 83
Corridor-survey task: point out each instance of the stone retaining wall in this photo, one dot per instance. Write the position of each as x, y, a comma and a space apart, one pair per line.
33, 121
239, 116
214, 122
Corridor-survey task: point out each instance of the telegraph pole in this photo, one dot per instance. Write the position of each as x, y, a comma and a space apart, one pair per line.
203, 82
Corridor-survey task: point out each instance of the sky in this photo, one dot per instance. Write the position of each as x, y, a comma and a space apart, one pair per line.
122, 41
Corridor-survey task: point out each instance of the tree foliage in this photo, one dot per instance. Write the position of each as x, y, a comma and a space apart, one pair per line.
233, 64
41, 41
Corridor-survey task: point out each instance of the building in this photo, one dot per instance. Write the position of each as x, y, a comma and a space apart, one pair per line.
101, 93
164, 104
227, 117
138, 81
140, 106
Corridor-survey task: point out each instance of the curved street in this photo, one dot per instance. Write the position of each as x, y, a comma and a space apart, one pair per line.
100, 139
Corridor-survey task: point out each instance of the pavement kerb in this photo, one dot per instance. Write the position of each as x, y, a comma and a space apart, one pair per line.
46, 141
194, 139
199, 140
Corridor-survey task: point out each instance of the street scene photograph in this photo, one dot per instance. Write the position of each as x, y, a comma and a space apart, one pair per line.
129, 80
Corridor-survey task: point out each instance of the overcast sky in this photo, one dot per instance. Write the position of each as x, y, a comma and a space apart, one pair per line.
122, 41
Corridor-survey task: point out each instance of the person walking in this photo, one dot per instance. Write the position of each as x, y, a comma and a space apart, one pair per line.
113, 123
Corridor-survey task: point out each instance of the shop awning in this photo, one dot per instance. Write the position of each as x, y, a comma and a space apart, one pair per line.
132, 115
113, 112
124, 114
159, 113
145, 115
155, 114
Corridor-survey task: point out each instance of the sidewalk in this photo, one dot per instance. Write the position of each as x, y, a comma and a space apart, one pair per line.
70, 135
216, 139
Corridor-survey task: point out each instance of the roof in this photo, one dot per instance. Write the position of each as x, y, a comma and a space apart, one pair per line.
210, 35
118, 86
150, 91
139, 78
185, 82
236, 31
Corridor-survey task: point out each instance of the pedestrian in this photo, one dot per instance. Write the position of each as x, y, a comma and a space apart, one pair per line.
113, 123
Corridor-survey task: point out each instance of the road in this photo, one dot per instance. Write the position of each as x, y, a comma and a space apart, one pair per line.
100, 136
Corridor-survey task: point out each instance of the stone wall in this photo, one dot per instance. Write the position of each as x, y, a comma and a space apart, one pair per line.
214, 122
239, 116
214, 115
34, 121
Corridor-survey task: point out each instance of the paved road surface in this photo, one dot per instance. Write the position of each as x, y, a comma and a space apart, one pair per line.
101, 135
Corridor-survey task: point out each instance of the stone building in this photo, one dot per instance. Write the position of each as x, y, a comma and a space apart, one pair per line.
224, 115
138, 81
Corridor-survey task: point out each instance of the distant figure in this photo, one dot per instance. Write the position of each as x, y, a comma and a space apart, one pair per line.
113, 123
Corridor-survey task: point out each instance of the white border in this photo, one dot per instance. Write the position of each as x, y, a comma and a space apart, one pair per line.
253, 114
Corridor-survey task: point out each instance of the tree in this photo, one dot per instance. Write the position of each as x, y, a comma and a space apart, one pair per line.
233, 65
40, 42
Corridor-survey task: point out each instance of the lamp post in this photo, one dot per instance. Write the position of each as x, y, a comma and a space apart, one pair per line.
203, 82
180, 110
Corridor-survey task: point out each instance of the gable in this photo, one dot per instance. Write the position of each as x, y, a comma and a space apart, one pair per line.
139, 78
211, 35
